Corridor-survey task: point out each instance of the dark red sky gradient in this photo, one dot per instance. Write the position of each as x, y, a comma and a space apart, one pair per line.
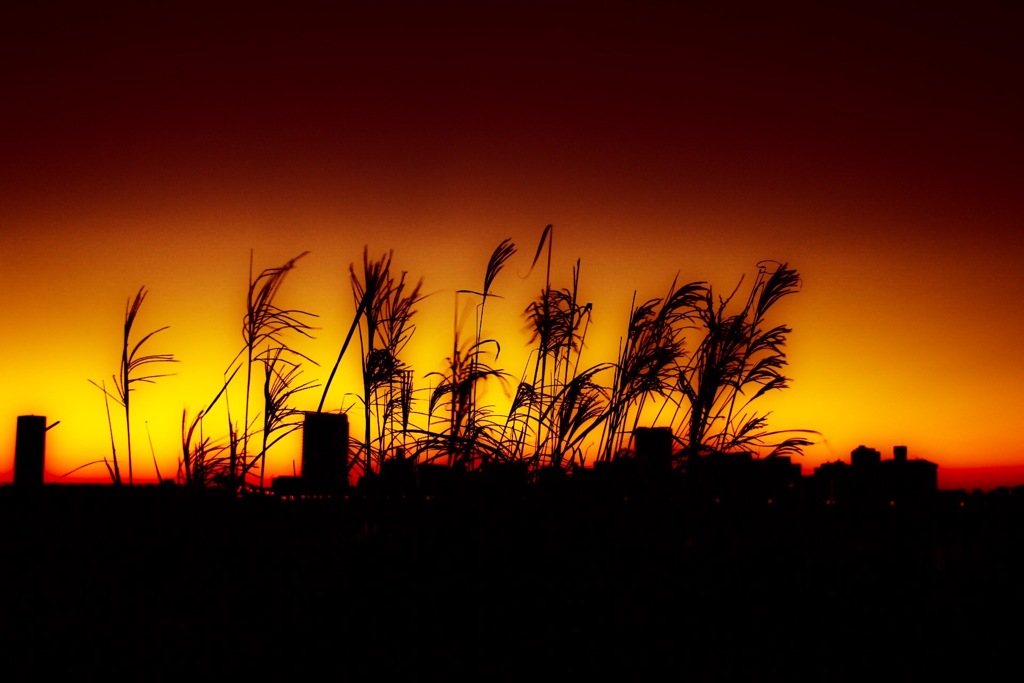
876, 148
795, 92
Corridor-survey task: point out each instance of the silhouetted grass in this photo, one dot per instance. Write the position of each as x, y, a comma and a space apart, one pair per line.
132, 363
649, 358
495, 264
468, 431
202, 459
388, 305
693, 361
739, 359
265, 328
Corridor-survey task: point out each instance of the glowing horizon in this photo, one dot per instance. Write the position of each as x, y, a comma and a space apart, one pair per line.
158, 151
82, 436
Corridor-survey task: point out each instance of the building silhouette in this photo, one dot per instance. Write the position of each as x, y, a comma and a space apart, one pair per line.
868, 478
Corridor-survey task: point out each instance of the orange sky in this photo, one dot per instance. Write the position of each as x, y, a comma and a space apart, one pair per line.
878, 152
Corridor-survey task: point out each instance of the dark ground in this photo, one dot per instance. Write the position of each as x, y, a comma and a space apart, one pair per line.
157, 584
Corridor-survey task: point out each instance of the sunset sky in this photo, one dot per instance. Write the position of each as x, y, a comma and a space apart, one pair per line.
877, 151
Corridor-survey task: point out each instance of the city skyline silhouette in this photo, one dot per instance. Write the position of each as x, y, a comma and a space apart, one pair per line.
728, 572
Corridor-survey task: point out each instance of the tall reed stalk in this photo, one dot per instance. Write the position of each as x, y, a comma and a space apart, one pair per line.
739, 360
560, 397
132, 363
649, 358
387, 304
280, 385
477, 370
265, 328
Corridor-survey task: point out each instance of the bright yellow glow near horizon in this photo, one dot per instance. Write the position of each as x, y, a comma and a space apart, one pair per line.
157, 150
852, 381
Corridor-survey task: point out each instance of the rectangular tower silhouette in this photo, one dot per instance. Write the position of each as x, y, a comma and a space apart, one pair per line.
29, 451
325, 451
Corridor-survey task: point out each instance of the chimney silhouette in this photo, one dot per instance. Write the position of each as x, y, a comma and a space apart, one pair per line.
29, 451
325, 450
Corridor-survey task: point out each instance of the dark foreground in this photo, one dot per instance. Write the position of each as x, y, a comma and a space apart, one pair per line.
156, 584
